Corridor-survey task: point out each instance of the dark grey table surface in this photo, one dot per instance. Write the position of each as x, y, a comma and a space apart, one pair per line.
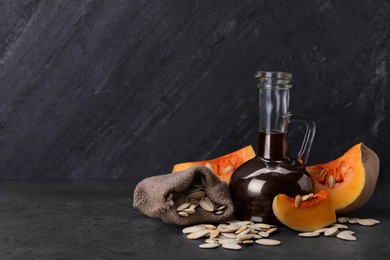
96, 220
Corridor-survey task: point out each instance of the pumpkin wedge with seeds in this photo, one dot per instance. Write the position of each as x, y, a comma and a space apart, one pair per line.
309, 215
350, 180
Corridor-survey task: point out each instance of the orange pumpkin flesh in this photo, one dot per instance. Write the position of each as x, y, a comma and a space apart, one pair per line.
310, 215
354, 178
222, 166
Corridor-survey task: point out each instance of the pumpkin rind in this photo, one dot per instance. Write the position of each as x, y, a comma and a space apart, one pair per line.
231, 160
309, 216
356, 173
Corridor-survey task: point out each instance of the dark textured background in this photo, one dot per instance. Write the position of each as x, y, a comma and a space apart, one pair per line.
125, 89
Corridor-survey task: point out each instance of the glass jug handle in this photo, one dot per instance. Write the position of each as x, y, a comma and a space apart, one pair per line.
303, 153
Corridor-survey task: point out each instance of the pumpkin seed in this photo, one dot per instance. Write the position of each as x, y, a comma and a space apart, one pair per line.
214, 233
191, 229
219, 212
206, 204
227, 169
196, 195
211, 241
309, 234
207, 245
343, 219
246, 231
201, 225
244, 237
307, 197
347, 232
242, 228
225, 241
321, 230
247, 222
264, 225
182, 213
183, 206
194, 201
331, 231
331, 181
343, 169
198, 234
232, 246
340, 226
254, 227
223, 226
193, 205
298, 200
264, 234
268, 242
247, 242
368, 221
271, 230
234, 227
189, 211
210, 227
224, 230
352, 220
221, 207
228, 235
323, 172
346, 236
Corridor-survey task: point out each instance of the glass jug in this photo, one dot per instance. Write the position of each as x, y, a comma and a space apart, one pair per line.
272, 171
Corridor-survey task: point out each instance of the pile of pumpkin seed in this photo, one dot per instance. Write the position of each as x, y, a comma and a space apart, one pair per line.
188, 200
339, 229
232, 235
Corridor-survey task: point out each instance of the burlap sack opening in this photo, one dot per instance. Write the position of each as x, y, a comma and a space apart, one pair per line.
151, 196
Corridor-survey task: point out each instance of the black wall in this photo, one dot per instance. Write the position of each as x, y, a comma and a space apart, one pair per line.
125, 89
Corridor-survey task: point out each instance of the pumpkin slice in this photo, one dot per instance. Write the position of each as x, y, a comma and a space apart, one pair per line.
314, 213
350, 180
222, 166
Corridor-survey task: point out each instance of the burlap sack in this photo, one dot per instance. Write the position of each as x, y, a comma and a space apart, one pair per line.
152, 196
